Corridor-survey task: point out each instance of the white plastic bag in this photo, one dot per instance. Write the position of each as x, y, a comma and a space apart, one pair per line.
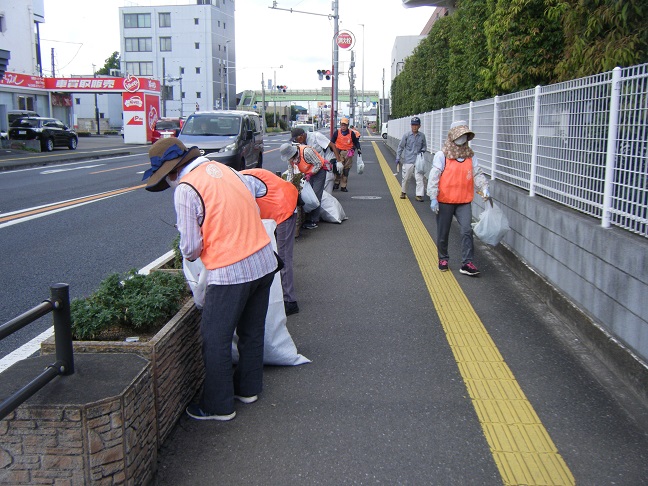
196, 275
422, 164
308, 196
492, 225
360, 164
332, 211
278, 347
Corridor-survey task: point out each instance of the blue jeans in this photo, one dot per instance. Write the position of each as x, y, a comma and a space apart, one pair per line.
463, 213
228, 308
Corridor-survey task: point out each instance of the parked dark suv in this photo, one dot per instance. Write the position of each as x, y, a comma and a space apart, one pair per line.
49, 131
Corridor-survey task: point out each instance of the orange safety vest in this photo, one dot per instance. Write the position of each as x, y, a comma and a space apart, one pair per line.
232, 229
456, 185
281, 196
306, 168
357, 133
344, 142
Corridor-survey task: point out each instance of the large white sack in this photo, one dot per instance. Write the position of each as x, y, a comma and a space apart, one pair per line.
279, 348
331, 210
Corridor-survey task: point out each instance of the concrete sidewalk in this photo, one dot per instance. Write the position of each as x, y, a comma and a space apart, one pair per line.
388, 397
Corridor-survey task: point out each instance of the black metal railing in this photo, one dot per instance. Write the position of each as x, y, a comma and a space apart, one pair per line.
59, 305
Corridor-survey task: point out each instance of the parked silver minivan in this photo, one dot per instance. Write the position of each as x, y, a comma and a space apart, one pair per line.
232, 137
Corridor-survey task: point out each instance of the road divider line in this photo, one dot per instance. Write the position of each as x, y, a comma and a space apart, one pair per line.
521, 446
65, 205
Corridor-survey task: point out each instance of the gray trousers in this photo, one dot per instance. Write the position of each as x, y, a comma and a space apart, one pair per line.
463, 213
228, 308
285, 245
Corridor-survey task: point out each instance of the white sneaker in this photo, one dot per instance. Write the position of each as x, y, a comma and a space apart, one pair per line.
251, 399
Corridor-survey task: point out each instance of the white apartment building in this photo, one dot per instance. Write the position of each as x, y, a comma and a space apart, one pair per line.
189, 48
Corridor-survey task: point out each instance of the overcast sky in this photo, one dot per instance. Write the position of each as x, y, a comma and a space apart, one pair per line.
86, 32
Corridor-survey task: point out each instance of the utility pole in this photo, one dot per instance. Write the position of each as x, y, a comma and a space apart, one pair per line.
352, 87
94, 75
164, 96
181, 94
363, 97
336, 50
263, 110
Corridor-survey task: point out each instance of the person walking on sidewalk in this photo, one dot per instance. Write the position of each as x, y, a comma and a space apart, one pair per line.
279, 203
218, 220
324, 147
347, 143
454, 177
411, 145
313, 166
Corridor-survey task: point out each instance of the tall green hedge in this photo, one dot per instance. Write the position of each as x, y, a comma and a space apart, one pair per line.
490, 47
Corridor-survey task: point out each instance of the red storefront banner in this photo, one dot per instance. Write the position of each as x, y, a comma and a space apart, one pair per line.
131, 84
22, 81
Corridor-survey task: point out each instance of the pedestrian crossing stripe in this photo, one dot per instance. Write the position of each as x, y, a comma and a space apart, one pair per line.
521, 446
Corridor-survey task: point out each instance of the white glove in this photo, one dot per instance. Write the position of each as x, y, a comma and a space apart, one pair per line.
434, 205
486, 193
340, 167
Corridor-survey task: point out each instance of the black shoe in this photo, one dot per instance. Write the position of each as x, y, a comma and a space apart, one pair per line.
291, 308
336, 187
344, 189
469, 269
309, 225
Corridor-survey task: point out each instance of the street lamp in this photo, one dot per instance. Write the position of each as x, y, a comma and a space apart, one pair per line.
227, 88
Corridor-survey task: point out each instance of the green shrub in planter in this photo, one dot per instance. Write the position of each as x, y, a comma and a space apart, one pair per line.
131, 302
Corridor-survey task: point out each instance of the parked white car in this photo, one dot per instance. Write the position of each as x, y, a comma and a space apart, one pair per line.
383, 131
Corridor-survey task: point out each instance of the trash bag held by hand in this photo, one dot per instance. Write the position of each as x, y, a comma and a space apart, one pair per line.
492, 225
360, 164
308, 196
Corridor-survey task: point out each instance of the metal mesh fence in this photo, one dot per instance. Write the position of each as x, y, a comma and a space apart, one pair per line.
581, 143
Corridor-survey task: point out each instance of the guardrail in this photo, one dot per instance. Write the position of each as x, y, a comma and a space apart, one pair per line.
59, 305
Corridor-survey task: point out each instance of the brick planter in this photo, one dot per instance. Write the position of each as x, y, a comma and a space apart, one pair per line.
175, 353
96, 426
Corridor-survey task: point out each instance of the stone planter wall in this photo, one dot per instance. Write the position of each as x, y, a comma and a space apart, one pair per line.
175, 353
81, 429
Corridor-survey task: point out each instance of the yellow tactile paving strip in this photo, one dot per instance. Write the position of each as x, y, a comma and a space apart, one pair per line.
522, 449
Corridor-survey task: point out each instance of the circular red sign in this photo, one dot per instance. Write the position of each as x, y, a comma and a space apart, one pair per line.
345, 40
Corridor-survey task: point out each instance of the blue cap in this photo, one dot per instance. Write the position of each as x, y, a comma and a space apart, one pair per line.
415, 121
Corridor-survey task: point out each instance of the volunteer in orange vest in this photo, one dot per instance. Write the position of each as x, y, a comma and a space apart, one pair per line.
218, 220
454, 177
279, 203
347, 143
314, 167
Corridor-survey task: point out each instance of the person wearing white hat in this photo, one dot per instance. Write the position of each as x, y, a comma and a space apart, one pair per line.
454, 177
218, 220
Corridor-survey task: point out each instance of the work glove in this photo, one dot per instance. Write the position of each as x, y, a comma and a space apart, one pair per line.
350, 153
398, 165
340, 167
434, 206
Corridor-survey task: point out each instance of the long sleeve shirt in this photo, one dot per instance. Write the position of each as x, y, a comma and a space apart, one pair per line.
310, 156
438, 166
410, 146
190, 215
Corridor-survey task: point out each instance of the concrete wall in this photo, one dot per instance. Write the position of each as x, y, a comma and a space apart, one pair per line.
603, 272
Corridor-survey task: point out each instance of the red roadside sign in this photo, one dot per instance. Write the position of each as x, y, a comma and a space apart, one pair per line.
345, 39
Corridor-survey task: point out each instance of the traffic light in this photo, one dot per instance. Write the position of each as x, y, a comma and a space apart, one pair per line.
282, 88
324, 72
